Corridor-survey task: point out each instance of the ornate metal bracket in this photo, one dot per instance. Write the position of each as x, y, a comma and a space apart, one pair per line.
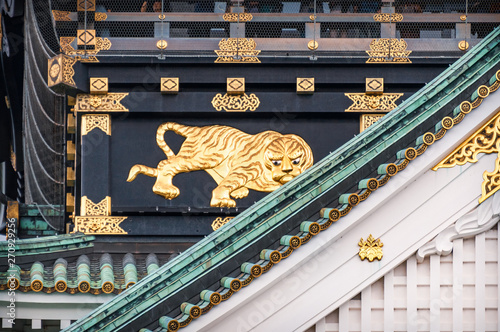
485, 140
219, 222
101, 44
110, 102
372, 103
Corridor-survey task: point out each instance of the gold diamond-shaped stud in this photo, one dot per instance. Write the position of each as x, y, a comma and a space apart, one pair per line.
374, 86
98, 85
235, 86
86, 37
305, 85
169, 85
86, 5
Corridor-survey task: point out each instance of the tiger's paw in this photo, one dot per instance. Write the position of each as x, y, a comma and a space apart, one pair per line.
169, 192
240, 193
222, 202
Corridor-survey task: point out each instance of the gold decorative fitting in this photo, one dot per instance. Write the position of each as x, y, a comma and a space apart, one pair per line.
388, 18
36, 285
110, 102
70, 203
305, 85
92, 121
89, 208
485, 140
463, 45
235, 86
370, 248
70, 124
70, 150
238, 103
60, 15
237, 50
372, 103
85, 37
312, 17
60, 71
312, 45
219, 222
388, 50
101, 44
374, 86
70, 177
161, 16
85, 5
161, 44
99, 225
98, 85
463, 17
169, 85
261, 162
235, 17
99, 16
366, 120
96, 219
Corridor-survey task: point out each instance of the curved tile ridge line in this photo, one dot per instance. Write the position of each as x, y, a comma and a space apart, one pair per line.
308, 229
19, 279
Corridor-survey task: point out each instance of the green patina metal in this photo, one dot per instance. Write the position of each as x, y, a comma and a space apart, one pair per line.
253, 224
48, 244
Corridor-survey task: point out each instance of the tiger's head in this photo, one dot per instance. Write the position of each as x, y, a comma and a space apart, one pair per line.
286, 157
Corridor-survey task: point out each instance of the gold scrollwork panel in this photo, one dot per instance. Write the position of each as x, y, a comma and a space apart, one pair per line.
388, 50
236, 160
235, 17
235, 103
366, 120
89, 208
387, 17
237, 50
219, 222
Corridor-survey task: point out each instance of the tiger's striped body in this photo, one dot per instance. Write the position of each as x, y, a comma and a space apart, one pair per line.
237, 161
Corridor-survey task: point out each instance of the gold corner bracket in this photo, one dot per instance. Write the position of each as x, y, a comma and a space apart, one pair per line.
96, 218
61, 71
485, 140
92, 121
371, 248
388, 50
110, 102
237, 50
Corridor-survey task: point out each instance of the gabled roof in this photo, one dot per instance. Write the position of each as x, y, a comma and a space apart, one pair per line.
230, 258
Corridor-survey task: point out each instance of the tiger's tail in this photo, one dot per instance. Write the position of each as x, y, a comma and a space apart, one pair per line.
176, 128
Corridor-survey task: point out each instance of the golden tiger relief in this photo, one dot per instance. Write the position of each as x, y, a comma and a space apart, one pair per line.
237, 161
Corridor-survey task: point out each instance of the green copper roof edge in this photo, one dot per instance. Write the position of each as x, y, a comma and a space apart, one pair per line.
262, 205
47, 242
